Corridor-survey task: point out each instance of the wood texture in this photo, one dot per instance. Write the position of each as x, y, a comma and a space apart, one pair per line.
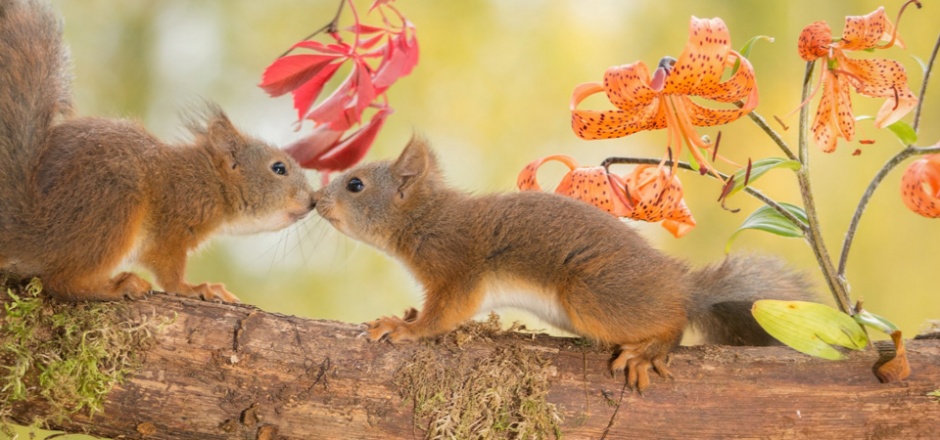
234, 372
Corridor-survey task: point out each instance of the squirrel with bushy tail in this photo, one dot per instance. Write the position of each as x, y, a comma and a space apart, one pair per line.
82, 196
569, 263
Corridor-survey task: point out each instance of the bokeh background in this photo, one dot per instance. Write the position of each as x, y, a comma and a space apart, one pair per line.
491, 93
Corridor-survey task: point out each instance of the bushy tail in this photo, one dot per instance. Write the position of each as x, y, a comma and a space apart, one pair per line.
34, 90
724, 292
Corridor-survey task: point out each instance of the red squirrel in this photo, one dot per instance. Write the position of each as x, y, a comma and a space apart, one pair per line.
79, 196
569, 263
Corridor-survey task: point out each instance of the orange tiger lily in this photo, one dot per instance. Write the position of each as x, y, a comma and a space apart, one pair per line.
664, 100
920, 186
876, 78
651, 193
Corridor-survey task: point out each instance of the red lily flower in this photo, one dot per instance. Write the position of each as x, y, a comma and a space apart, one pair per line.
920, 186
664, 100
876, 78
651, 193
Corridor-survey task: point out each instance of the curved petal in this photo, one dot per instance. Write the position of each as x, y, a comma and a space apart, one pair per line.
920, 186
741, 86
701, 116
658, 196
607, 124
628, 86
865, 31
588, 184
880, 78
698, 70
815, 41
593, 124
527, 177
834, 117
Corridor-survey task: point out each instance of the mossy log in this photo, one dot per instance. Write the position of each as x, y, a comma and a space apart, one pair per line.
222, 371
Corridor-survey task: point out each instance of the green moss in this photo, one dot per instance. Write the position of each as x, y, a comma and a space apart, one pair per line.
501, 395
66, 355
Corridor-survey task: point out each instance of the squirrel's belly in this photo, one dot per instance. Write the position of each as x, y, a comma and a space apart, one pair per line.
504, 291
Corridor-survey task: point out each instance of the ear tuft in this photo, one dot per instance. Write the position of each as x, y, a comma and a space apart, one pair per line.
416, 162
212, 128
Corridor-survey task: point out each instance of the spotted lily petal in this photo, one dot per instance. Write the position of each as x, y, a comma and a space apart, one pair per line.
834, 115
658, 197
650, 193
592, 185
863, 32
814, 41
879, 78
920, 186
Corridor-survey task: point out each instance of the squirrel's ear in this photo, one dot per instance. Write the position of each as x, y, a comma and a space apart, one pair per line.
414, 164
223, 137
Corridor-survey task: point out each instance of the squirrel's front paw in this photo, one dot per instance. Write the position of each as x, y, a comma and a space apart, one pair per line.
393, 328
206, 291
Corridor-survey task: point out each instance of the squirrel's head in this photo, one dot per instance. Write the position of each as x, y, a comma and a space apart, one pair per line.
372, 200
265, 189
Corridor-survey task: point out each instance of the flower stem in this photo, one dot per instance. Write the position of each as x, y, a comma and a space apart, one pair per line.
888, 166
330, 27
762, 123
837, 286
721, 176
923, 86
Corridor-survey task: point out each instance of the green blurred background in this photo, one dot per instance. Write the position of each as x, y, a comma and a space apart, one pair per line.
491, 93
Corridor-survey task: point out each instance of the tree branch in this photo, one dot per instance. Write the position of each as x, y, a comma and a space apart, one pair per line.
224, 371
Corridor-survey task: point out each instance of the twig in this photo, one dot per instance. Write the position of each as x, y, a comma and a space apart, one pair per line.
836, 285
686, 166
330, 27
888, 167
762, 123
923, 86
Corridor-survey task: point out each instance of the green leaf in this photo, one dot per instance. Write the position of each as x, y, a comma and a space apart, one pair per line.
758, 168
746, 49
872, 320
809, 327
904, 132
768, 219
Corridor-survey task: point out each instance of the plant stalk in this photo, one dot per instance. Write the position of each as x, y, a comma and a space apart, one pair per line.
889, 166
837, 286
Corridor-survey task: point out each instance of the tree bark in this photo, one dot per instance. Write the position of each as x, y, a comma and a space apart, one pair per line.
223, 371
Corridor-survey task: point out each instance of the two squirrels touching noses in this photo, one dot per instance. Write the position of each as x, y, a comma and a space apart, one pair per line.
80, 196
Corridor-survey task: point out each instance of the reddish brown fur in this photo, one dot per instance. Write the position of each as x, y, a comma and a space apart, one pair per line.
80, 196
586, 271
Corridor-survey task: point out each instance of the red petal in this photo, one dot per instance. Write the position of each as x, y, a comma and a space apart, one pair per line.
306, 95
352, 149
364, 29
332, 109
306, 150
290, 72
329, 49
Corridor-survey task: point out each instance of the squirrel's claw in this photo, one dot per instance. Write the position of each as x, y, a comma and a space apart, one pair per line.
392, 328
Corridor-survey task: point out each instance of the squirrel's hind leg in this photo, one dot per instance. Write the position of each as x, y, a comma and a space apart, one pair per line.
637, 358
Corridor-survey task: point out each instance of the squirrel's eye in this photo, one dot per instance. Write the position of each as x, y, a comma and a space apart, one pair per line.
355, 185
279, 168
